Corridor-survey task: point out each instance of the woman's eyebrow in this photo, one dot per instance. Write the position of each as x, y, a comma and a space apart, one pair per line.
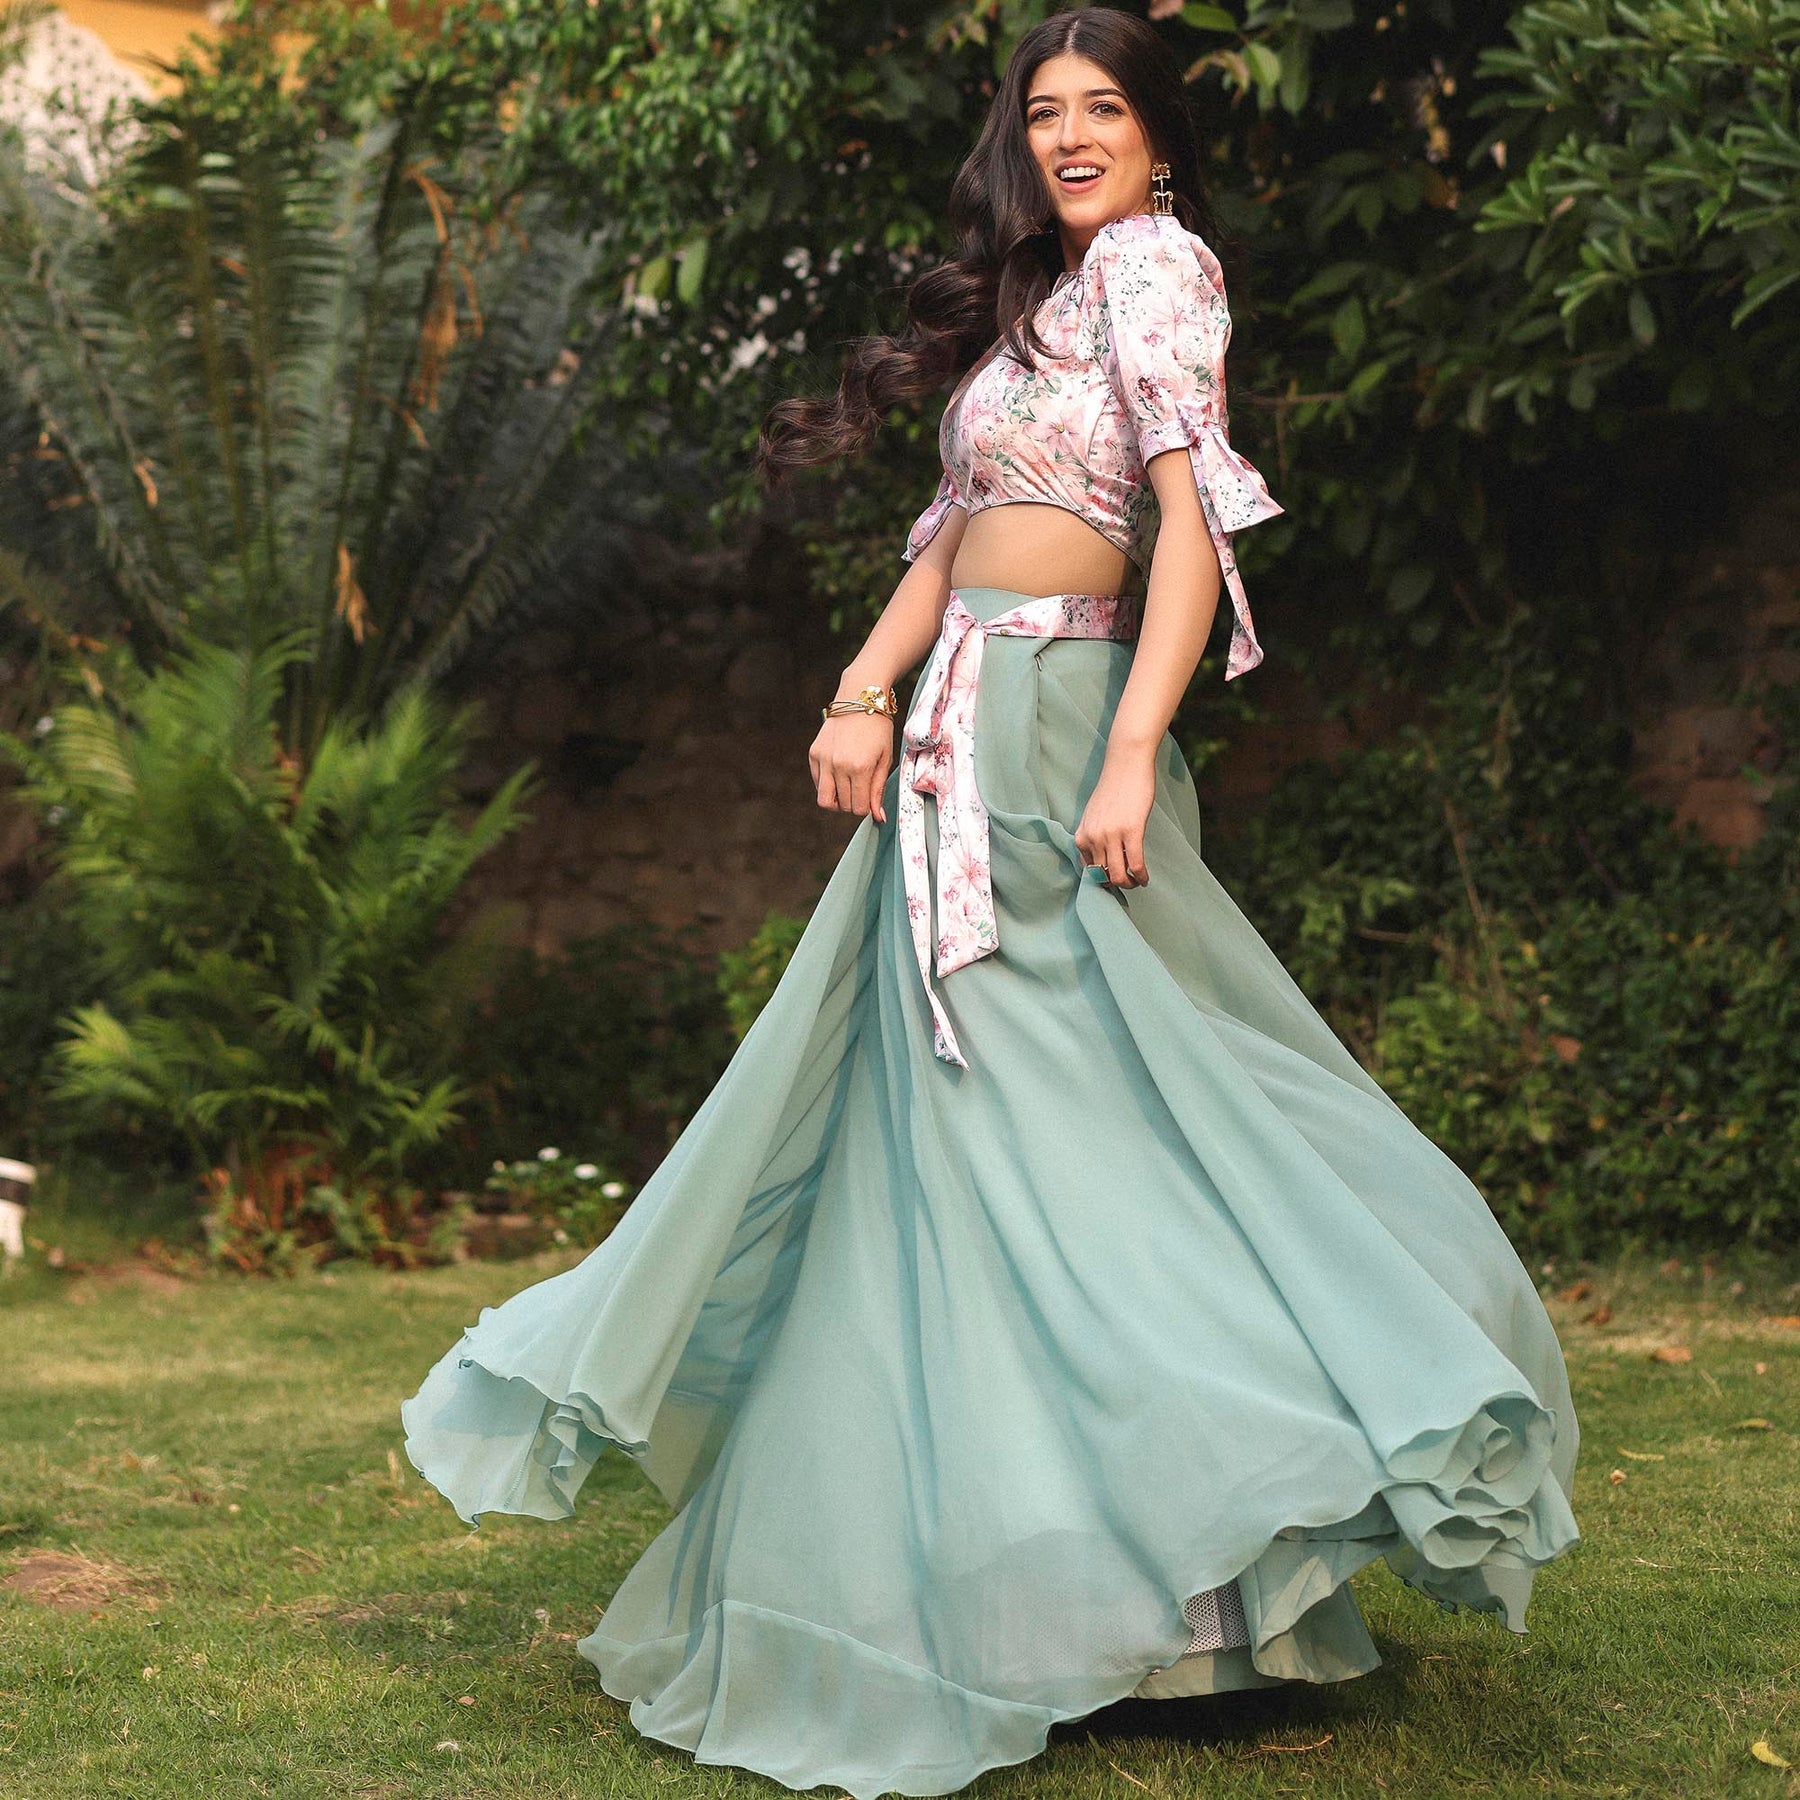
1091, 94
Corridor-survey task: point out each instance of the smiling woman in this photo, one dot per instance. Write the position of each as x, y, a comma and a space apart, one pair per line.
1087, 140
1093, 154
1045, 1307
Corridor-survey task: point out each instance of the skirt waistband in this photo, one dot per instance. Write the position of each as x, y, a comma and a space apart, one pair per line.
990, 602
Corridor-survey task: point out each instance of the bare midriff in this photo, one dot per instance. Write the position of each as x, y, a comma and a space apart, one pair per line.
1033, 548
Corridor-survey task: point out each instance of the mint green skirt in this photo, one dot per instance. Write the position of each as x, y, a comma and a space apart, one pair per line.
975, 1388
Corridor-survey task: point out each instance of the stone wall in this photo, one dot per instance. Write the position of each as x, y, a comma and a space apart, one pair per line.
1710, 627
671, 739
671, 731
674, 742
1704, 745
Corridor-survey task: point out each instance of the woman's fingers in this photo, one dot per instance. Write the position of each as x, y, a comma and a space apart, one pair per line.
1125, 864
877, 781
1120, 856
1134, 859
1099, 850
848, 787
850, 774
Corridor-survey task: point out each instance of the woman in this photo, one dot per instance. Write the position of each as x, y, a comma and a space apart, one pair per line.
1044, 1307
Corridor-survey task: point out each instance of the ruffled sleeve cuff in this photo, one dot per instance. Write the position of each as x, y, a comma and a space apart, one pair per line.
1233, 495
925, 527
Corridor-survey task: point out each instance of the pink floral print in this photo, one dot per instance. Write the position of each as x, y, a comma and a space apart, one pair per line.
938, 758
1137, 343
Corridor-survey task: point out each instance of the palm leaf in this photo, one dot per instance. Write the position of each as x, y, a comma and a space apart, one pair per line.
60, 331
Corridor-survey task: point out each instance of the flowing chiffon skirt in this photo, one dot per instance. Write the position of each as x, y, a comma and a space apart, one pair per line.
983, 1394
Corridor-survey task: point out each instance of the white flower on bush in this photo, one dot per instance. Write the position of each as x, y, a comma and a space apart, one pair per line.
585, 1171
612, 1190
548, 1155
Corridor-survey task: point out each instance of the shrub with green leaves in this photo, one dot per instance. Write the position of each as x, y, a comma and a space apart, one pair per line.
1596, 1016
572, 1201
1665, 143
747, 977
1617, 1078
46, 971
286, 1221
611, 1044
268, 930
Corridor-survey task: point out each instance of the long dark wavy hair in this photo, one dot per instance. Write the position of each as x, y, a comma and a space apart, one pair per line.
1008, 253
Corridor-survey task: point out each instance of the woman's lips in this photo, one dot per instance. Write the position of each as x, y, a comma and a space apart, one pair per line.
1077, 184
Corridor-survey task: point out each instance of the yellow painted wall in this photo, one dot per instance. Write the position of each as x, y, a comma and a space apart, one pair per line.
134, 30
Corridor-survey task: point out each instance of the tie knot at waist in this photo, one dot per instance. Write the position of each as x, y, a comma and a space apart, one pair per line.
938, 758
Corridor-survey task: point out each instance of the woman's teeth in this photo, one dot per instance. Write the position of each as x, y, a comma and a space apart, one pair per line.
1078, 175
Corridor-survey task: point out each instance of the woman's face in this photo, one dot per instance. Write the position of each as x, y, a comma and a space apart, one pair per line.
1089, 144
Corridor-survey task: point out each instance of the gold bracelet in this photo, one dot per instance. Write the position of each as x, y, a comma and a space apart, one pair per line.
872, 699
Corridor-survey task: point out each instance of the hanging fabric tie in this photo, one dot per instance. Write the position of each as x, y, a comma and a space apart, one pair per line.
938, 758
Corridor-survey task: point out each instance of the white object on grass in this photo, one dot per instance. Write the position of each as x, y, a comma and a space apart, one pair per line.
15, 1190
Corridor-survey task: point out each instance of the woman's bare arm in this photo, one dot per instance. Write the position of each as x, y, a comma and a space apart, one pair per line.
1183, 596
851, 756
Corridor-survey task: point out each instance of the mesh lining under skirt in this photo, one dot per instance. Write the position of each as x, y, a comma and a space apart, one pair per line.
1216, 1620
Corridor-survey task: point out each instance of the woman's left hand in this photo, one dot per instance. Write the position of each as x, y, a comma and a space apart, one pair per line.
1111, 832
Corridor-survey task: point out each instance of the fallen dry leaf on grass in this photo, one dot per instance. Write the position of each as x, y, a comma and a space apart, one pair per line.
1672, 1353
1764, 1753
1601, 1315
1644, 1455
1785, 1322
1753, 1425
1617, 1478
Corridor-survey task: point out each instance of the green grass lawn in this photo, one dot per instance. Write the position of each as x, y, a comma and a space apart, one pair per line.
223, 1579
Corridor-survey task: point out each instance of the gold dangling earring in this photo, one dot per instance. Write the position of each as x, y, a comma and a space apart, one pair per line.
1162, 198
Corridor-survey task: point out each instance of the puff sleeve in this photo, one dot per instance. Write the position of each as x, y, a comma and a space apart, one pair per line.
1160, 326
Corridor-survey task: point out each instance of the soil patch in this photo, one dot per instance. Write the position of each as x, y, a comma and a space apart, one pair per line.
93, 1282
71, 1582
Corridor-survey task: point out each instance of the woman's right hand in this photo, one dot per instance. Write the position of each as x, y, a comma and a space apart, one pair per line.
850, 759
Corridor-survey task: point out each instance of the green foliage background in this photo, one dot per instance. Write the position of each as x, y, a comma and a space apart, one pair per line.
265, 934
1594, 1015
383, 346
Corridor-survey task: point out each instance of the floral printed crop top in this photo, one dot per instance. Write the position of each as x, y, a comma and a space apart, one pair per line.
1136, 340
